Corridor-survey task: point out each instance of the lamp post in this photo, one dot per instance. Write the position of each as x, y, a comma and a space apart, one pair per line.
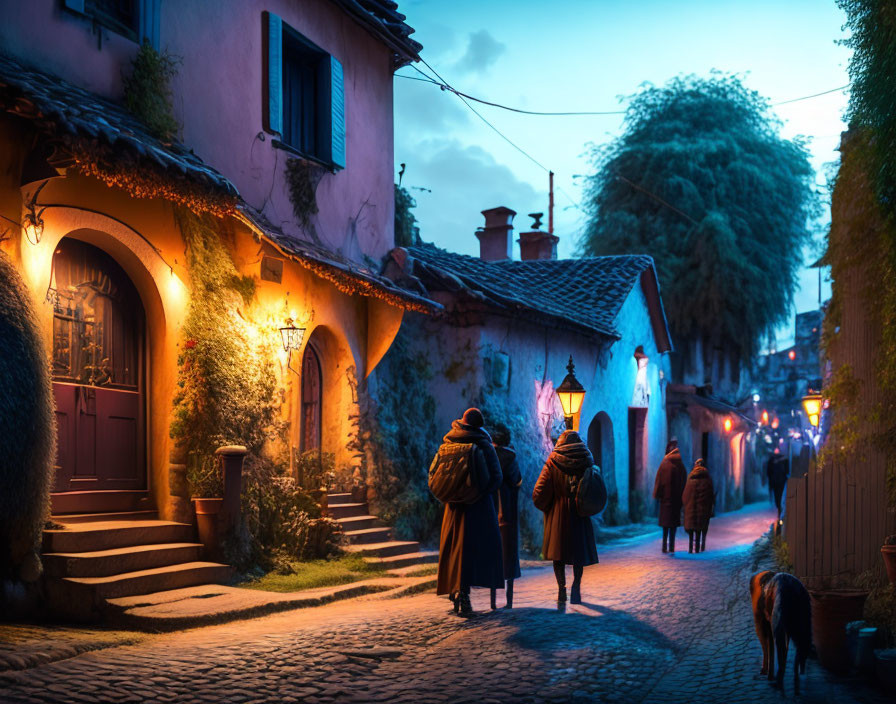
571, 394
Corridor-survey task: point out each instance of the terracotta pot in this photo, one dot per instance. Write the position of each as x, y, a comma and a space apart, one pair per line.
207, 513
831, 611
888, 552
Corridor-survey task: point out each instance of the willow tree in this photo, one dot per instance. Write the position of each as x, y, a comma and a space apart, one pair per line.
702, 180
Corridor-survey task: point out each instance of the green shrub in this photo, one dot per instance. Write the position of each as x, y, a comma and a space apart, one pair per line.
27, 427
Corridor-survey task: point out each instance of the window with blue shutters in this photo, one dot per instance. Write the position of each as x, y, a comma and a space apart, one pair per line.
135, 19
304, 97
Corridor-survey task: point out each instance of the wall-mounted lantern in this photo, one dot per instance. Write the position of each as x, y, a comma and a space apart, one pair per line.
571, 394
727, 424
292, 341
812, 407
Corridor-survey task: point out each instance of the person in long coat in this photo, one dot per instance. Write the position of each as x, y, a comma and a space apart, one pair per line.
667, 489
568, 537
699, 501
470, 543
507, 504
777, 469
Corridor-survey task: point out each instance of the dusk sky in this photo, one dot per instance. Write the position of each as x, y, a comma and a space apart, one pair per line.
574, 55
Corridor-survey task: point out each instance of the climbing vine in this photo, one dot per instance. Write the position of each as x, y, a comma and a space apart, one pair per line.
147, 90
302, 178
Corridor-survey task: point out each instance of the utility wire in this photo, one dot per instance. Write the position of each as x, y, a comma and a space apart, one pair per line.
571, 113
499, 132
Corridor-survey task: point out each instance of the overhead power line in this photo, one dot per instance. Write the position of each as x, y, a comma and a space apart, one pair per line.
566, 113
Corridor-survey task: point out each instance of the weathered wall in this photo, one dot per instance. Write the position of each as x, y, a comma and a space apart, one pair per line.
509, 369
111, 220
218, 99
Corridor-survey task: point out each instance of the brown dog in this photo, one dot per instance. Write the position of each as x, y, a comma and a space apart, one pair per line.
781, 613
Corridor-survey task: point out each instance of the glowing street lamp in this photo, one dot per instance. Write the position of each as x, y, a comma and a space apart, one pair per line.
727, 424
292, 340
571, 394
812, 407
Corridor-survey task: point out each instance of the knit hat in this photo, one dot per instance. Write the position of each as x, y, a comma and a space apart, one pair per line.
473, 417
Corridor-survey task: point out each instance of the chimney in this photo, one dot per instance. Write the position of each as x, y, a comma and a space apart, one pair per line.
537, 244
496, 238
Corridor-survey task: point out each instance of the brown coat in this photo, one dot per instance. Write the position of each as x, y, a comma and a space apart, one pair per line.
470, 543
668, 487
507, 504
568, 537
699, 499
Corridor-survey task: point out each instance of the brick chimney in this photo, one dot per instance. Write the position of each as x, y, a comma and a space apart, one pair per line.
537, 244
496, 238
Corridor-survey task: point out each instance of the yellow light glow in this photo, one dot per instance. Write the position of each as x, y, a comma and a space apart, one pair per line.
571, 401
812, 407
765, 417
727, 425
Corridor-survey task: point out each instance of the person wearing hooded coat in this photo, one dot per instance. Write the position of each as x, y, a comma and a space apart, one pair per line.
507, 504
568, 537
667, 489
470, 542
699, 501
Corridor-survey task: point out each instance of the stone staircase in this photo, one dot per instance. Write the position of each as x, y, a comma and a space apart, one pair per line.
366, 534
99, 556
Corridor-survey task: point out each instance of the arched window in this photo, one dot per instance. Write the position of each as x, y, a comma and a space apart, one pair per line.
312, 398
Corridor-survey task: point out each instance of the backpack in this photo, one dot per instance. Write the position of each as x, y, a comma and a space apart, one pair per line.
589, 492
458, 473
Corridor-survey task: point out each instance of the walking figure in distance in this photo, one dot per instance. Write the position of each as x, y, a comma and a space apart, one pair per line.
667, 489
470, 542
568, 537
507, 505
699, 503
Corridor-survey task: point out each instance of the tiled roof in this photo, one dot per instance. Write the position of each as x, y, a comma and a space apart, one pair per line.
71, 113
347, 275
584, 293
383, 20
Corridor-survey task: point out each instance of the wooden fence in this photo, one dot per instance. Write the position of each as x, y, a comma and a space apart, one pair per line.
836, 521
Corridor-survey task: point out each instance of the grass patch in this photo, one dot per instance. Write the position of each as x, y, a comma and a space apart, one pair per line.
315, 574
423, 571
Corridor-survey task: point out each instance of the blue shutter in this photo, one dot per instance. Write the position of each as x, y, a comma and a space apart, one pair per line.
150, 19
274, 79
74, 5
337, 114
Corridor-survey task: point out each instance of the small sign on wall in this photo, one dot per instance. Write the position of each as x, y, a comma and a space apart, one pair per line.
272, 269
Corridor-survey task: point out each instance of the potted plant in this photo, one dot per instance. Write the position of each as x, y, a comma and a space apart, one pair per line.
888, 551
207, 489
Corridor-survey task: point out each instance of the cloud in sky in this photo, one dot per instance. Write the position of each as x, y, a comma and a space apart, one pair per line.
464, 181
483, 50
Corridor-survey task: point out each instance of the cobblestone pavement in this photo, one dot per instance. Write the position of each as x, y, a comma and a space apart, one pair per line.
653, 628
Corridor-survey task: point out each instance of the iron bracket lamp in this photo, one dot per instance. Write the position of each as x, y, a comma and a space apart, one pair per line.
571, 394
812, 407
292, 341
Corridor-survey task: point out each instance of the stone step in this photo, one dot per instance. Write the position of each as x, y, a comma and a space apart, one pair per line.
186, 574
348, 510
394, 562
107, 535
368, 535
359, 522
339, 499
100, 501
105, 563
68, 518
385, 549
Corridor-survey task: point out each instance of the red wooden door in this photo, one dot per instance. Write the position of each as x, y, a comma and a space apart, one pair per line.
97, 371
311, 401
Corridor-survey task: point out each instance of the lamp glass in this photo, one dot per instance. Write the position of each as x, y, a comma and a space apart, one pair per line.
571, 401
292, 338
812, 407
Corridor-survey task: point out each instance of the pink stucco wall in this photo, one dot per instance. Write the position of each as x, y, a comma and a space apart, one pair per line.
218, 98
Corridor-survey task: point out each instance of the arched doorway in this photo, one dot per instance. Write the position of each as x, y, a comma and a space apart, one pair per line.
603, 447
312, 401
98, 372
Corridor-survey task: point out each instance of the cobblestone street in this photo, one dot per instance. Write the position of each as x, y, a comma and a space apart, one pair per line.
653, 628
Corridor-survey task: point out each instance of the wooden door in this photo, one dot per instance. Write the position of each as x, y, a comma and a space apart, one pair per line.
311, 401
98, 333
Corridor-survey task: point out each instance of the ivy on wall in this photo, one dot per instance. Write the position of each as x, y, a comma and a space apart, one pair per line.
228, 392
147, 90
